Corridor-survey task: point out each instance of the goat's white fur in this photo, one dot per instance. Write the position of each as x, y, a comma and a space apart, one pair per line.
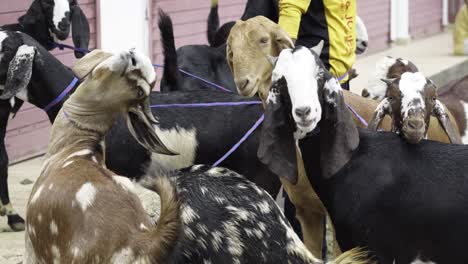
375, 86
61, 7
412, 88
361, 36
86, 195
296, 67
3, 36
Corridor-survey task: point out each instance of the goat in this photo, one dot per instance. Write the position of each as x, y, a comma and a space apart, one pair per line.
411, 100
451, 95
251, 60
387, 68
74, 199
376, 187
217, 36
200, 60
48, 20
196, 133
227, 219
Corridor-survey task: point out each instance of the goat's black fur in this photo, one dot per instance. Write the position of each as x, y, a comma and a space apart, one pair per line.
201, 60
403, 202
228, 219
38, 23
217, 36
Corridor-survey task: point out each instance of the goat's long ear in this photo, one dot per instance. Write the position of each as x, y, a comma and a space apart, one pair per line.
86, 65
282, 39
80, 29
140, 122
277, 144
339, 128
440, 113
19, 71
382, 109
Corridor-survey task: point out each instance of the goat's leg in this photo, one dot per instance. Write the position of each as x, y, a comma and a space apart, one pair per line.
14, 220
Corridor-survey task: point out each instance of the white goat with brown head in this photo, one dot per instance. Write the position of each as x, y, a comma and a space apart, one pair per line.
80, 212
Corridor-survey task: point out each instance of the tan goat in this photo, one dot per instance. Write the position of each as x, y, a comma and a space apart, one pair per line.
80, 212
250, 46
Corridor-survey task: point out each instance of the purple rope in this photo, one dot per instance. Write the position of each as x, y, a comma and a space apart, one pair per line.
61, 95
207, 104
363, 121
237, 145
198, 78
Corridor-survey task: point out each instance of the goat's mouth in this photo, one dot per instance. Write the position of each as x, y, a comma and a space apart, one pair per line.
413, 136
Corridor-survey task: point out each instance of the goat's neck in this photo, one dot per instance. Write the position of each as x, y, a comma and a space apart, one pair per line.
80, 126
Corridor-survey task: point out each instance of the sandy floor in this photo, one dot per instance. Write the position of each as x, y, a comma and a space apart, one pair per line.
12, 243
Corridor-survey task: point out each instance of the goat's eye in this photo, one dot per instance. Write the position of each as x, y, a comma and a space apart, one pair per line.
390, 98
264, 40
133, 61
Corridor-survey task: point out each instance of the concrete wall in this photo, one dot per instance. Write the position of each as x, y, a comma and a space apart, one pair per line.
28, 132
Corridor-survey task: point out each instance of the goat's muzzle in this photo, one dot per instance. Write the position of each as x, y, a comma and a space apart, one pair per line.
413, 129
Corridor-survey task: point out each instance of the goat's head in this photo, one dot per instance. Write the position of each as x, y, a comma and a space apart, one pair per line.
387, 68
411, 100
302, 95
362, 39
120, 83
51, 19
249, 45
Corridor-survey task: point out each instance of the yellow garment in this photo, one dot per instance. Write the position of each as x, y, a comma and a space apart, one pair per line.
460, 34
340, 16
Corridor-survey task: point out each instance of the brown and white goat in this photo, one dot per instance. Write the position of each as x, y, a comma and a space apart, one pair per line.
411, 100
79, 211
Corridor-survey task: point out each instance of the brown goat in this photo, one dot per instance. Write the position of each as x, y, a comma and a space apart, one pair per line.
249, 46
80, 212
411, 100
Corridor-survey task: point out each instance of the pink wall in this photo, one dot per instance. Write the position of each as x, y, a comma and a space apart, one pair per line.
425, 17
376, 16
189, 18
28, 132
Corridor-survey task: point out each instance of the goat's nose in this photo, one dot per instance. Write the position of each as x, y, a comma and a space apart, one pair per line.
302, 112
364, 43
365, 93
415, 124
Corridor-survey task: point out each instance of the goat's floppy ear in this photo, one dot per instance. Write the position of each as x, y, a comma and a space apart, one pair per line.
440, 113
384, 108
342, 133
19, 71
318, 48
140, 122
80, 29
282, 39
86, 65
277, 149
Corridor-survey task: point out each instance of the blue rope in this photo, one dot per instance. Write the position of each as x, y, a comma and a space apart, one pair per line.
61, 95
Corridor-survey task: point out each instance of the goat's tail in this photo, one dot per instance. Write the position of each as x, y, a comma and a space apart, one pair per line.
158, 242
171, 74
353, 256
213, 22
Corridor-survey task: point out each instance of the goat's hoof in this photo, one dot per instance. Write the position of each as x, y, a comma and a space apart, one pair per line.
16, 222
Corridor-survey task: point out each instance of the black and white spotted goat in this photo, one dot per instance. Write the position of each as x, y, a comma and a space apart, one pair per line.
200, 134
405, 203
228, 219
50, 20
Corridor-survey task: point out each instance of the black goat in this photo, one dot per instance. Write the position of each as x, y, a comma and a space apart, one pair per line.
47, 20
227, 219
201, 135
200, 60
217, 36
405, 203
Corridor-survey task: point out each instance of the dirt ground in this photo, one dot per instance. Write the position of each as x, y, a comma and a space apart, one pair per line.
12, 243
